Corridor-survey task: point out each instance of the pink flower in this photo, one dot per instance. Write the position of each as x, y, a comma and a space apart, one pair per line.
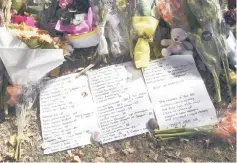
63, 3
28, 20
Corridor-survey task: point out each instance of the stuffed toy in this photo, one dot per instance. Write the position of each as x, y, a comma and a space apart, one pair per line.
177, 43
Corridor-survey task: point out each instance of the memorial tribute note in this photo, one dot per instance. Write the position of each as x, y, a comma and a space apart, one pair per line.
67, 113
122, 101
115, 100
178, 93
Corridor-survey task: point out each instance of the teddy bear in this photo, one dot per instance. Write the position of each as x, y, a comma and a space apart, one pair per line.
177, 43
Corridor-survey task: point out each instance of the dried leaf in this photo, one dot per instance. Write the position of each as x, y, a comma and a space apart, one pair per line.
130, 150
98, 159
13, 140
177, 153
217, 150
10, 154
55, 72
75, 159
187, 159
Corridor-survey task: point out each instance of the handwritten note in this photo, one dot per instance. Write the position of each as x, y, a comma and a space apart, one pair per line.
178, 93
115, 100
67, 113
122, 101
107, 83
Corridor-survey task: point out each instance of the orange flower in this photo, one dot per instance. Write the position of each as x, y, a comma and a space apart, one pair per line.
227, 125
175, 5
13, 92
164, 9
27, 33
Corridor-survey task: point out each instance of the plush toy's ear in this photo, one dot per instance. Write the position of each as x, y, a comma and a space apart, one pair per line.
172, 32
182, 32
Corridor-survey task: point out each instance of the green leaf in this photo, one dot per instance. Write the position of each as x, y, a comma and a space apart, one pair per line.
193, 22
17, 4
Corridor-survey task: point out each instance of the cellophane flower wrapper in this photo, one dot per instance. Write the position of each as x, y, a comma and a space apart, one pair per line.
207, 31
24, 104
70, 20
22, 97
68, 17
101, 14
144, 24
172, 12
210, 40
25, 74
20, 22
117, 30
112, 28
24, 23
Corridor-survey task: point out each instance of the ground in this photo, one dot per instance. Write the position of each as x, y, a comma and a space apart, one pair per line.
201, 148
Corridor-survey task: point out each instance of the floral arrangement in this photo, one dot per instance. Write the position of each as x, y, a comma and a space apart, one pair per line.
225, 128
118, 28
204, 22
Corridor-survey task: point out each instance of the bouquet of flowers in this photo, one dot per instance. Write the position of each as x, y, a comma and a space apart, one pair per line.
28, 54
117, 30
210, 40
226, 128
171, 11
70, 18
204, 23
111, 22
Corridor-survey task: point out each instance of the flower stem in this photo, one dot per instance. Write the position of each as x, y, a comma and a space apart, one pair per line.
174, 130
177, 134
168, 138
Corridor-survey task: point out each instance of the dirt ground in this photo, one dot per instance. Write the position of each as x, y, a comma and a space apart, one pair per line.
202, 148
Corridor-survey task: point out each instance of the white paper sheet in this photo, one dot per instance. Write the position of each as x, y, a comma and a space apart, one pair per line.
67, 113
178, 93
28, 66
122, 101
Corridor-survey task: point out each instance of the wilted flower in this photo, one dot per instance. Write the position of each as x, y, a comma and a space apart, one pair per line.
13, 92
225, 128
227, 125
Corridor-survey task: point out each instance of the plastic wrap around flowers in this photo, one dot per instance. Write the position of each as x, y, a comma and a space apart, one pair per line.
74, 19
203, 22
77, 22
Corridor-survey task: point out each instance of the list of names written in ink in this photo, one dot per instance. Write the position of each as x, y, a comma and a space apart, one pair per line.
122, 119
65, 106
178, 93
107, 83
127, 113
